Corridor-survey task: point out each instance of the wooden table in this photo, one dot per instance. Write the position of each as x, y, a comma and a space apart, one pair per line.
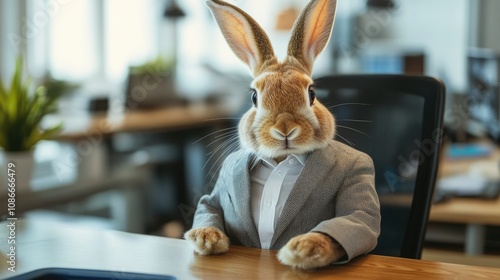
467, 210
475, 213
42, 245
161, 119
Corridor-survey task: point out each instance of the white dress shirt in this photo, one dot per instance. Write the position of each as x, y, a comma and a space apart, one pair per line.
271, 184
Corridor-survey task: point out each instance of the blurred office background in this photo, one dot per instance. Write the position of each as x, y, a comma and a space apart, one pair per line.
162, 64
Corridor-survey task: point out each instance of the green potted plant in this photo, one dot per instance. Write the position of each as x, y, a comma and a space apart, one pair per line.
21, 112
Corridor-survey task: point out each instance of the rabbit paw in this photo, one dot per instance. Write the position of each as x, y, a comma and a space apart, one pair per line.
208, 240
310, 250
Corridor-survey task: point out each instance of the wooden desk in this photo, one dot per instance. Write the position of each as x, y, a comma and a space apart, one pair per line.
41, 245
475, 213
170, 118
467, 211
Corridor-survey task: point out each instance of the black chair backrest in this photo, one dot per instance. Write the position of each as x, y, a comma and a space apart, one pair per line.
397, 120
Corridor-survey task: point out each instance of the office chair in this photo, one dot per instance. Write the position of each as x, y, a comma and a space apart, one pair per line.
397, 120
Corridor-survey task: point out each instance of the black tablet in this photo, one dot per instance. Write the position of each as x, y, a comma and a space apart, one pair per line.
89, 274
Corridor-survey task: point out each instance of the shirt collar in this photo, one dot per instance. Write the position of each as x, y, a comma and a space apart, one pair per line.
302, 158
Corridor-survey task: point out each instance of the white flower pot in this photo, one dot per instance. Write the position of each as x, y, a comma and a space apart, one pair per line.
22, 167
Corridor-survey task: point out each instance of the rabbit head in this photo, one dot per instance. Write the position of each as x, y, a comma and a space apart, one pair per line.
286, 117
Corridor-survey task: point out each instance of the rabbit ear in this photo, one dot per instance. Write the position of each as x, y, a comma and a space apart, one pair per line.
312, 31
243, 34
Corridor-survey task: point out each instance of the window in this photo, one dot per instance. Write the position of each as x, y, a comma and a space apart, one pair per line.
132, 29
72, 40
80, 40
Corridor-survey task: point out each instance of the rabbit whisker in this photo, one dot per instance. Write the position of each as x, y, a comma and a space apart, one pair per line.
344, 104
212, 153
349, 142
351, 120
220, 119
218, 131
226, 133
229, 149
219, 138
225, 143
353, 129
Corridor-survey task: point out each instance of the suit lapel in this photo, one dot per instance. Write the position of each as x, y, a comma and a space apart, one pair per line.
316, 168
241, 197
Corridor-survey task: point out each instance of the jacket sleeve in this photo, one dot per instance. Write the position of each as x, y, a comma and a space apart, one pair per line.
356, 226
209, 212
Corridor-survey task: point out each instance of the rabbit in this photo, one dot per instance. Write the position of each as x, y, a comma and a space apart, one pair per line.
332, 213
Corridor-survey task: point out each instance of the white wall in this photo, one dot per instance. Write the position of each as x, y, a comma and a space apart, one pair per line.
489, 24
9, 28
440, 28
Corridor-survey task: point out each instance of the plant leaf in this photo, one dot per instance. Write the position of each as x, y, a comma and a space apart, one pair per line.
21, 112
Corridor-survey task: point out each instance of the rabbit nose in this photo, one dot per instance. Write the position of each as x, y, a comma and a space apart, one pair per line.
285, 127
289, 135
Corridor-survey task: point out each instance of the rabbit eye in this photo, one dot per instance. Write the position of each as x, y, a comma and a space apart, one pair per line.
254, 97
312, 95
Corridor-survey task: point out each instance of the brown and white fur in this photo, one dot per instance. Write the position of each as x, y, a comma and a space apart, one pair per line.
285, 119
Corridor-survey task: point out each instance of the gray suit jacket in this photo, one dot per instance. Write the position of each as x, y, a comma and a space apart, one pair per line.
334, 194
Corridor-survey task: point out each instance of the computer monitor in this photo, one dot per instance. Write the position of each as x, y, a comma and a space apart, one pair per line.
393, 61
483, 95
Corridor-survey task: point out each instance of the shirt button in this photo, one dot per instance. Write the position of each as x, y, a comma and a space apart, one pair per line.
279, 173
291, 161
269, 203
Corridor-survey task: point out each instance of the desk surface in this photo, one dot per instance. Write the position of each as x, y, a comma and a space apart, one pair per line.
466, 210
41, 245
169, 118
